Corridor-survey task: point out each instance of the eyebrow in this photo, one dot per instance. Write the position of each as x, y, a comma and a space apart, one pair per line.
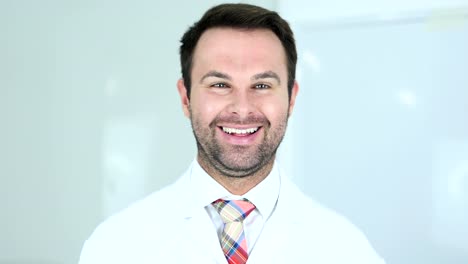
265, 75
216, 74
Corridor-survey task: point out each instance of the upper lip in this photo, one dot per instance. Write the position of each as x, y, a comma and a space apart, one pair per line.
240, 126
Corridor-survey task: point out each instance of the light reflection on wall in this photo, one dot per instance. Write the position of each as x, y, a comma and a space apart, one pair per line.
450, 186
126, 150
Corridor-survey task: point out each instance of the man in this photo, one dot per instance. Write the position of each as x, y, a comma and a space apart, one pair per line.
233, 205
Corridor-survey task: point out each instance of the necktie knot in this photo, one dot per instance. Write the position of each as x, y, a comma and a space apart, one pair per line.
233, 210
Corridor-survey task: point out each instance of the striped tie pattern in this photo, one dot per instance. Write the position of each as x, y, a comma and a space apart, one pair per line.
233, 240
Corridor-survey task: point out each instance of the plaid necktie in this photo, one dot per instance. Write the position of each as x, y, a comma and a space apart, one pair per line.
233, 239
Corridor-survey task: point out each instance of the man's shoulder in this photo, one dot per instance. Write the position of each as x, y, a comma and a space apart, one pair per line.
310, 211
148, 209
129, 232
324, 229
332, 225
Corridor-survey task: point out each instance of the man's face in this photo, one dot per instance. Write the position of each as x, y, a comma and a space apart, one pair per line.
239, 103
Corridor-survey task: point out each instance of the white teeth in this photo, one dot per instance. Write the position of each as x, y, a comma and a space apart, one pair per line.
240, 131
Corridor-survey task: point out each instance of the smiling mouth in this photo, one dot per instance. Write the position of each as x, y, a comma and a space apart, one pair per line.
239, 132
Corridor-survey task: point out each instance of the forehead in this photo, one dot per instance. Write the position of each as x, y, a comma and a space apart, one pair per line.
239, 49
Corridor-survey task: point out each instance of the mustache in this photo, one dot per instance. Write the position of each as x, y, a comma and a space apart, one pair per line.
235, 119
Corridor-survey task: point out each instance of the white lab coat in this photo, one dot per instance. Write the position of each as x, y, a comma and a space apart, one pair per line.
163, 228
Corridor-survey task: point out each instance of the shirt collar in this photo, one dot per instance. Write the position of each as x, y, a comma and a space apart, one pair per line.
206, 190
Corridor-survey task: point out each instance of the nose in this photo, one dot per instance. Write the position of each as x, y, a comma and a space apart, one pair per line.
242, 104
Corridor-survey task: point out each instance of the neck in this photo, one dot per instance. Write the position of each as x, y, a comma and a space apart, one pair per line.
237, 185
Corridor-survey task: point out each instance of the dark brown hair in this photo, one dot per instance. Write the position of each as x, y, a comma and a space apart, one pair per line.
242, 16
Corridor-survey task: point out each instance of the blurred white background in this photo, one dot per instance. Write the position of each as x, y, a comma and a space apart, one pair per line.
91, 120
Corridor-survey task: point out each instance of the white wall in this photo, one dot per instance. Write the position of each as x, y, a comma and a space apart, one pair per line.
90, 116
329, 10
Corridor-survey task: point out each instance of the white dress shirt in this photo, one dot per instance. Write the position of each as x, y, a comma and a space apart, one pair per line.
264, 196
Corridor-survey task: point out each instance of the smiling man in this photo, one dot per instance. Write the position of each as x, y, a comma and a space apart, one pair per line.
234, 204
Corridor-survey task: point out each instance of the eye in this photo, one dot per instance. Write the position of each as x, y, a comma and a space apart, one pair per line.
220, 85
261, 86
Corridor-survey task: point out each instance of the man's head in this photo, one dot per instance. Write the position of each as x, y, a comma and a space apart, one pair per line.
239, 16
238, 96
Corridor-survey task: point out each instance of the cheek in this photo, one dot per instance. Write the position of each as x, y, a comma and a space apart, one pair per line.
205, 109
276, 109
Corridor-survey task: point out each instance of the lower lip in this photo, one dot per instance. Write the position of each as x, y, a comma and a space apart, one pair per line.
245, 139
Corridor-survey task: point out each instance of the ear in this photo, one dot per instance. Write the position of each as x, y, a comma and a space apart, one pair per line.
183, 97
292, 101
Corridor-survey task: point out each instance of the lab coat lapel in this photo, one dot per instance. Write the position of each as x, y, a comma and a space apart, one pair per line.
203, 239
199, 237
276, 234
